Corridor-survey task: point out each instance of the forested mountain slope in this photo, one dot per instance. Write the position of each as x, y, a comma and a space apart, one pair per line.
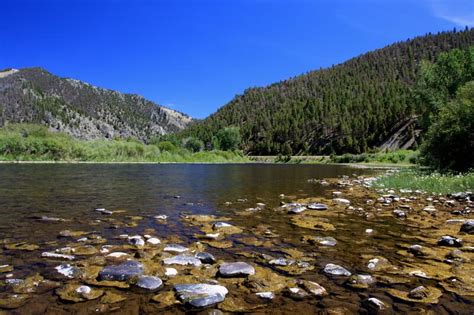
34, 95
349, 107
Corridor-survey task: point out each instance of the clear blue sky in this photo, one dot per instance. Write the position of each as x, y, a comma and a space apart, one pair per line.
195, 56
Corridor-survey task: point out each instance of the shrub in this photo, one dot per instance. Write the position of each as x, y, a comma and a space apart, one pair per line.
449, 142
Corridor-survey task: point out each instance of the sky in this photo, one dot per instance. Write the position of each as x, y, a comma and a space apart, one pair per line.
196, 55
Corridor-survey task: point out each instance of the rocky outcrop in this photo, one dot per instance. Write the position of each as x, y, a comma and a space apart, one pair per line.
33, 95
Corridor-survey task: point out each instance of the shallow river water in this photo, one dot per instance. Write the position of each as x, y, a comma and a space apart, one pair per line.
38, 203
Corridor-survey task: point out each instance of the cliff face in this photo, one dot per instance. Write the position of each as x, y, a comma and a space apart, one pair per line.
84, 111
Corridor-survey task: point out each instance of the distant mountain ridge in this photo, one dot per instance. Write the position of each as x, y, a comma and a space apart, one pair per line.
350, 107
33, 95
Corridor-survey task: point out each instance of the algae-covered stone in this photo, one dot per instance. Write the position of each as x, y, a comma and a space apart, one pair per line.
78, 293
111, 298
311, 222
165, 299
429, 295
21, 246
314, 288
12, 301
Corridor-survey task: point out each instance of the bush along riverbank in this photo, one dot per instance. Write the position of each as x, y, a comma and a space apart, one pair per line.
26, 142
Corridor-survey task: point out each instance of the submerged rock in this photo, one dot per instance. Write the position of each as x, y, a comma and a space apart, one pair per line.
336, 270
375, 305
103, 211
122, 272
205, 258
58, 256
420, 294
12, 301
360, 281
236, 269
136, 240
325, 241
183, 260
297, 293
317, 206
341, 201
175, 248
69, 271
150, 283
296, 210
265, 295
314, 288
468, 227
78, 293
450, 241
200, 295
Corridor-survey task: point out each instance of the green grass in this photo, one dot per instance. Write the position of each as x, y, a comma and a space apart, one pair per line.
404, 157
424, 180
27, 142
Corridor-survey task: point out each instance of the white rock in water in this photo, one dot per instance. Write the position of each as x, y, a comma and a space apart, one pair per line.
55, 255
83, 289
182, 260
153, 241
369, 231
336, 193
219, 225
175, 248
136, 240
266, 295
171, 272
66, 270
103, 211
117, 254
342, 201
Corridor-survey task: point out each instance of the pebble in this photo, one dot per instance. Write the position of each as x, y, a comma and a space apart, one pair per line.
450, 241
103, 211
175, 248
122, 272
150, 283
342, 201
336, 270
183, 260
266, 295
136, 240
153, 241
171, 272
206, 258
468, 227
200, 295
56, 255
317, 206
236, 269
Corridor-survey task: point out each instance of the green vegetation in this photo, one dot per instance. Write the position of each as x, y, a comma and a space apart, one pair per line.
424, 180
396, 157
348, 108
446, 95
227, 139
27, 142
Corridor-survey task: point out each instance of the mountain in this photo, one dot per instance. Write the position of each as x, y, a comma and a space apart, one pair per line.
82, 110
351, 107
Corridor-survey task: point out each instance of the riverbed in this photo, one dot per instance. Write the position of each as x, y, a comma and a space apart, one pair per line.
64, 226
